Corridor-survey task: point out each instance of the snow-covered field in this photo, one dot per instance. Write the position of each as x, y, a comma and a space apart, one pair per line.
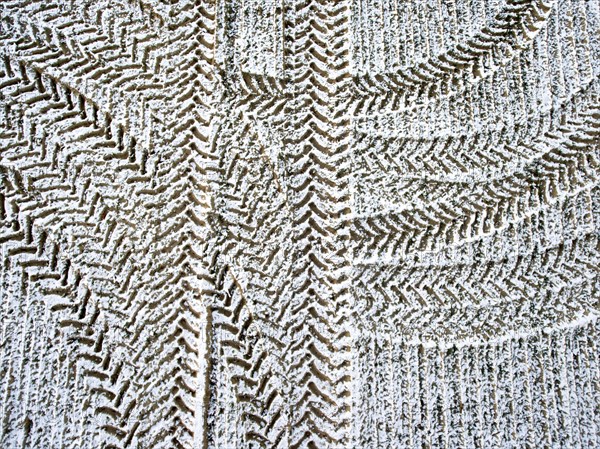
239, 224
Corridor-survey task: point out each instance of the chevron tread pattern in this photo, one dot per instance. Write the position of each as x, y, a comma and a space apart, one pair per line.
299, 224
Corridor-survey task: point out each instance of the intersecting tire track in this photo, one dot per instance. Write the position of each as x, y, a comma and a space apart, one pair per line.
190, 258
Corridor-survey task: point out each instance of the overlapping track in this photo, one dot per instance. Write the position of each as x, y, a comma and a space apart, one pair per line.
307, 223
